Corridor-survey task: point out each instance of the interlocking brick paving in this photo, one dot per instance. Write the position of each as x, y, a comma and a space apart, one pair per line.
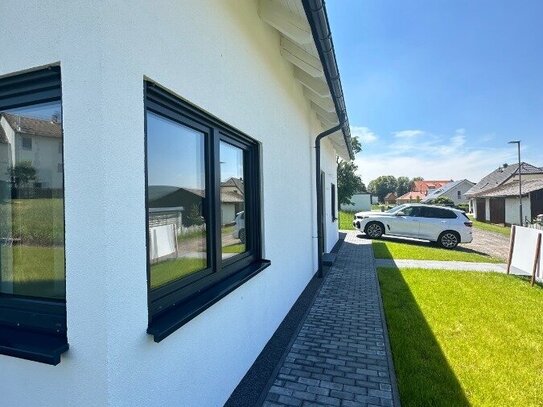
341, 355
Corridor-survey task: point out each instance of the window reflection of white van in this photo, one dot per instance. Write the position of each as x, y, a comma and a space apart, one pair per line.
239, 229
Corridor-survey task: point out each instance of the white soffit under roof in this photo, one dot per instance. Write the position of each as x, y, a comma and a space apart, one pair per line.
298, 47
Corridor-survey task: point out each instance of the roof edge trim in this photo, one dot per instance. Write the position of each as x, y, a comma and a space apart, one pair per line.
317, 17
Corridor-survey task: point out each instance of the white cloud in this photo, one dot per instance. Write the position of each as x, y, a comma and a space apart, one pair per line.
364, 134
408, 133
432, 157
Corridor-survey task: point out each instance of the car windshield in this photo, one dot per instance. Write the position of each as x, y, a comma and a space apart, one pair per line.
396, 209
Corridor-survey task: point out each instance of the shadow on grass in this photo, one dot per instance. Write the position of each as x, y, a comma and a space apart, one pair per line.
424, 376
422, 243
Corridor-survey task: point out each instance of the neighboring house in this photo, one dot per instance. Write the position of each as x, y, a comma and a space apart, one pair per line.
232, 199
410, 197
390, 198
360, 202
455, 191
495, 198
153, 95
34, 141
425, 187
419, 191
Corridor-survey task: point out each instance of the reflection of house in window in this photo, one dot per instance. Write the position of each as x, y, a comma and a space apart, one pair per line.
28, 139
27, 143
232, 199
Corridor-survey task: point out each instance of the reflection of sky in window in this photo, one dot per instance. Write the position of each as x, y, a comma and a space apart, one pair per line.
44, 111
231, 162
175, 154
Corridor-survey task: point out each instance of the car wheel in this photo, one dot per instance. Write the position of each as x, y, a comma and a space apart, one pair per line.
448, 240
242, 236
374, 230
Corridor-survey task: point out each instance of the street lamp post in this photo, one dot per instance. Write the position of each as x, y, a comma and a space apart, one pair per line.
517, 142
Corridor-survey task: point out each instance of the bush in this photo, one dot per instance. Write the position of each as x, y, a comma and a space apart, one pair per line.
443, 201
463, 207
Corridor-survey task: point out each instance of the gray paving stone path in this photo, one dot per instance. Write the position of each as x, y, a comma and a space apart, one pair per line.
341, 355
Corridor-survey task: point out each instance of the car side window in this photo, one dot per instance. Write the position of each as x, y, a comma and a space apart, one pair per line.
412, 211
438, 213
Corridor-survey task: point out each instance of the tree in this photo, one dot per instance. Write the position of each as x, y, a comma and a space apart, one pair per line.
383, 185
412, 183
443, 201
193, 216
348, 182
403, 185
21, 174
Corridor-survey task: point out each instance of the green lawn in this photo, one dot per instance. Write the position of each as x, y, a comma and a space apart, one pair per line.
35, 221
464, 338
170, 270
346, 220
234, 248
384, 249
33, 270
490, 227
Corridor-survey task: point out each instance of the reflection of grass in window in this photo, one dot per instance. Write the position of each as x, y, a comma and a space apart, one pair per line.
170, 270
227, 229
36, 221
34, 270
234, 248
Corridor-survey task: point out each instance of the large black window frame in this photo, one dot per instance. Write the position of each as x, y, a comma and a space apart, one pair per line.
172, 305
33, 328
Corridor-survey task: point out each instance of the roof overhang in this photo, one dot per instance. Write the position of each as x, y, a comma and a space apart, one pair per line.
306, 42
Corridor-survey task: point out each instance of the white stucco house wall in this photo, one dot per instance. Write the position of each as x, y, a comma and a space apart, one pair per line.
360, 202
455, 191
254, 68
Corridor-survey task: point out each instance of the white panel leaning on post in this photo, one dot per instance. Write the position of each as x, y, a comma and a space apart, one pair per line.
525, 253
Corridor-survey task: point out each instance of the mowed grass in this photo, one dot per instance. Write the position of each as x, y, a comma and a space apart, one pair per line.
464, 338
171, 270
490, 227
234, 248
384, 249
34, 270
346, 220
35, 221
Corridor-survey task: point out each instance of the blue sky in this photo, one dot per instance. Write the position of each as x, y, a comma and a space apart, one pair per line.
436, 88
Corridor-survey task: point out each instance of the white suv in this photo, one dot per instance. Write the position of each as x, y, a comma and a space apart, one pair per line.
446, 226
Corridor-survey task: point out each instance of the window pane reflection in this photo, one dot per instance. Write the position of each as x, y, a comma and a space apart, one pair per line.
176, 193
31, 202
233, 232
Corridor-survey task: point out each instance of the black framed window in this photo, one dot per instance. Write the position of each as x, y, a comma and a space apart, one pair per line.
333, 202
32, 271
203, 210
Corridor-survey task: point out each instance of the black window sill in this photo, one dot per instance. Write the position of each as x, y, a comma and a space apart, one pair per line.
32, 345
167, 323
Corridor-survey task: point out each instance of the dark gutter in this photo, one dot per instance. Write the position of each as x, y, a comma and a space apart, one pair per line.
315, 11
320, 198
322, 35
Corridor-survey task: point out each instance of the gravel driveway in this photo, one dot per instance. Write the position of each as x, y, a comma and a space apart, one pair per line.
489, 243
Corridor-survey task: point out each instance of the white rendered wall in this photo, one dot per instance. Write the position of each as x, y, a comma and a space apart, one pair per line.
219, 56
512, 214
329, 166
361, 202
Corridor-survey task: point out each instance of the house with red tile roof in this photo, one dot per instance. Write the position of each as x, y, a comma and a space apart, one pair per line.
420, 189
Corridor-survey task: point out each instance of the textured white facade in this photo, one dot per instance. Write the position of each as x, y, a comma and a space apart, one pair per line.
221, 57
512, 213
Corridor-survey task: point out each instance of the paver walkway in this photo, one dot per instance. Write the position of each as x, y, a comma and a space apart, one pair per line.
341, 356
